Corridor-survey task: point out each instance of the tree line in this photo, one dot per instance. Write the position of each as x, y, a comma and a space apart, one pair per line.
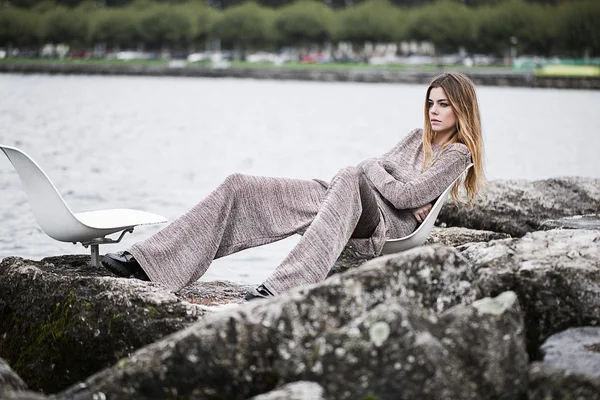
267, 3
567, 29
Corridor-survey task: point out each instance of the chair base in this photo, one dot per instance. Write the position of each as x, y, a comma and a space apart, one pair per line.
95, 255
94, 246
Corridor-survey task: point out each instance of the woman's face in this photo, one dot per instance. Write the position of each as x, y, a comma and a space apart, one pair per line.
441, 113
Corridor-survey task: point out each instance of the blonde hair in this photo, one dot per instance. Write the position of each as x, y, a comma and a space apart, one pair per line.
460, 92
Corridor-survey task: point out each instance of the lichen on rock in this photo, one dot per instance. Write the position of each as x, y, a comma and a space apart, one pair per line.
62, 320
385, 330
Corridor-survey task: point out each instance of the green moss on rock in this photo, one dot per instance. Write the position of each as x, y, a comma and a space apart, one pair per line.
61, 321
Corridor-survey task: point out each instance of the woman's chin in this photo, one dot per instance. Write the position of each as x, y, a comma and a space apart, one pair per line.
440, 130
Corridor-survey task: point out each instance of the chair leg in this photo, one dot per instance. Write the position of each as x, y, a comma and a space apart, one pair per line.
95, 255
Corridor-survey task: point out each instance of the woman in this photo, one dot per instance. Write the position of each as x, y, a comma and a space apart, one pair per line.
361, 207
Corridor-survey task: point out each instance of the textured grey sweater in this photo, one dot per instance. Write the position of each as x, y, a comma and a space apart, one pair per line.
401, 185
399, 178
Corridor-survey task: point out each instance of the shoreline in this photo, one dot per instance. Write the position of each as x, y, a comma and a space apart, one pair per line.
485, 78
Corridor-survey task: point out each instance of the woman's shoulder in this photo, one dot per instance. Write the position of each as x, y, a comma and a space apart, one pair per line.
406, 142
414, 137
460, 147
458, 150
415, 133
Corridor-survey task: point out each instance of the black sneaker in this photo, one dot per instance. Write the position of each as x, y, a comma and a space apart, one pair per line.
260, 292
123, 264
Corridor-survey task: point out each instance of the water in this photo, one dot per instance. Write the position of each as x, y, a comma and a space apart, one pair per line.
162, 144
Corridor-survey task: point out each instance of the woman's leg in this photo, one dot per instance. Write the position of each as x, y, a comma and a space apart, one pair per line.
325, 238
244, 211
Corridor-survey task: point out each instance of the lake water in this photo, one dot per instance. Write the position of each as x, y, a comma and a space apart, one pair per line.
161, 144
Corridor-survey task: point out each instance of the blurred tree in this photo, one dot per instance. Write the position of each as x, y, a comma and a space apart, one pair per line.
399, 3
142, 5
44, 6
373, 20
447, 25
62, 25
479, 3
579, 28
26, 3
68, 3
113, 3
163, 25
549, 2
18, 28
246, 26
531, 27
484, 26
203, 19
223, 4
305, 22
278, 3
117, 28
539, 36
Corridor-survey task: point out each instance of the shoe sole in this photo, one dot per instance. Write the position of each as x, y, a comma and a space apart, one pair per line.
115, 267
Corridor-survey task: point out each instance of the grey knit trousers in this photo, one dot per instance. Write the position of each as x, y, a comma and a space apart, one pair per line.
247, 211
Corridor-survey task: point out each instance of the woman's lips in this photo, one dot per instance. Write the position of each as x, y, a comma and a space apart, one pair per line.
435, 121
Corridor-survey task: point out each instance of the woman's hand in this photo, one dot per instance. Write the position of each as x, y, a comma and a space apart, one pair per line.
421, 212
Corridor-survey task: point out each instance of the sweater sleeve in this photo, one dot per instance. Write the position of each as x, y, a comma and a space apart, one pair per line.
415, 134
424, 189
418, 133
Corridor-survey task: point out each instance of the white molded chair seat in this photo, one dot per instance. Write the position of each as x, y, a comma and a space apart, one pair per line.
419, 236
56, 218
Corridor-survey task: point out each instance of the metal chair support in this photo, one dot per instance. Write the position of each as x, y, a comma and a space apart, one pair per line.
95, 242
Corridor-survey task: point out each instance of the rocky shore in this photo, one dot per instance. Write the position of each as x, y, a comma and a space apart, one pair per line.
502, 303
480, 77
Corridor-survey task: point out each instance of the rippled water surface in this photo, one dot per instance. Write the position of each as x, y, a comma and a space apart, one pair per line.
162, 144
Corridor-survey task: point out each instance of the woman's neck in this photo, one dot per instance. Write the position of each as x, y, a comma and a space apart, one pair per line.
441, 138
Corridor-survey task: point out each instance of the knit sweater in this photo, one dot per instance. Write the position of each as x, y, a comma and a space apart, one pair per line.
399, 178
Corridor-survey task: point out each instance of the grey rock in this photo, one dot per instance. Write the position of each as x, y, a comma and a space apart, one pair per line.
399, 327
9, 380
22, 395
13, 387
575, 350
294, 391
518, 206
590, 221
62, 320
457, 236
550, 383
346, 261
453, 236
214, 294
556, 275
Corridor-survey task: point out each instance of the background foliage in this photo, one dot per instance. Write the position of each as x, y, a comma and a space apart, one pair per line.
542, 27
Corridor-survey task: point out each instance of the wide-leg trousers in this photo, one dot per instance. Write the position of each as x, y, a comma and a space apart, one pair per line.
247, 211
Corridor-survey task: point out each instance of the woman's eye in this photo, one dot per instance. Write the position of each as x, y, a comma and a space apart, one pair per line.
443, 104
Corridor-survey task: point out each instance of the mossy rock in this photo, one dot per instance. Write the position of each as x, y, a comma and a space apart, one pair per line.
62, 320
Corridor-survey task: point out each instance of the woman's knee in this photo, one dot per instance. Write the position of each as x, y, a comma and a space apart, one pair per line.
351, 171
347, 181
350, 174
235, 182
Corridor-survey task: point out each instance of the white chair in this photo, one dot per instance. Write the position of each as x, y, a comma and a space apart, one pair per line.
419, 236
56, 219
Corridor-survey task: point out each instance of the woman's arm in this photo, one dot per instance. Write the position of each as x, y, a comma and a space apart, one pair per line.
372, 163
424, 189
